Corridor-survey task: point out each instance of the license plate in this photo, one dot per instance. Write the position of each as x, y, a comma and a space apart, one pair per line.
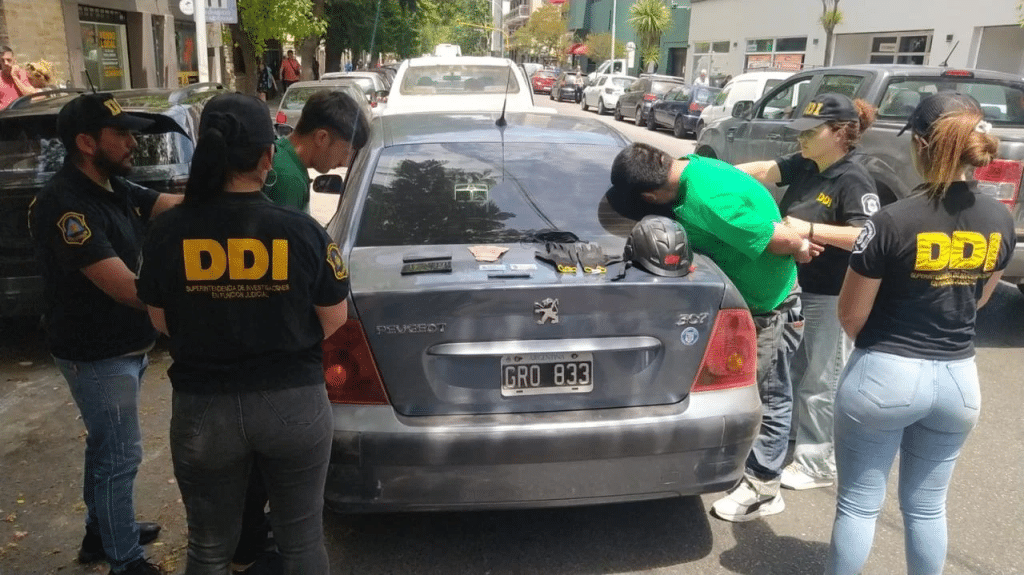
540, 373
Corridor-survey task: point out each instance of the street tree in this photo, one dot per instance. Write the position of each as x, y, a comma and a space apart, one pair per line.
545, 33
461, 22
599, 46
830, 18
260, 21
649, 19
354, 25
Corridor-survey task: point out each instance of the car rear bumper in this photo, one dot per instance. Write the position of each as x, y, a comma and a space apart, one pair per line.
21, 296
382, 461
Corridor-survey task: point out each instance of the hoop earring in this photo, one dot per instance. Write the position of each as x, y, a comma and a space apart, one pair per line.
269, 182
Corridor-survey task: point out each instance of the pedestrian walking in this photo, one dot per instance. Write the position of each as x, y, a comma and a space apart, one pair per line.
246, 291
265, 84
290, 71
87, 225
919, 271
734, 220
579, 81
14, 81
829, 196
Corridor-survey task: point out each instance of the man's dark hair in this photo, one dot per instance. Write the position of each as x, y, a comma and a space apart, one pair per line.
335, 111
290, 52
6, 49
640, 168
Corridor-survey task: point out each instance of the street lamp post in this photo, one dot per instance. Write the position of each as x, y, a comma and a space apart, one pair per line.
615, 9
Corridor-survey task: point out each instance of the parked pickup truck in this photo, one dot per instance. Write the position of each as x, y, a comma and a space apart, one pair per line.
757, 130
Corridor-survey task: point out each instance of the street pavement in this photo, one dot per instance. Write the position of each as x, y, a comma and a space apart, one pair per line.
41, 442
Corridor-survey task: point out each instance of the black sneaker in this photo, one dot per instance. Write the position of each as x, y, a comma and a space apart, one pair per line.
92, 546
139, 567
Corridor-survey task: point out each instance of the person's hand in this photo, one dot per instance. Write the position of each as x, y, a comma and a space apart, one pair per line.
799, 226
808, 251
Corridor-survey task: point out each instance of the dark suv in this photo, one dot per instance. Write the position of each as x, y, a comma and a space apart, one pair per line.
638, 98
31, 151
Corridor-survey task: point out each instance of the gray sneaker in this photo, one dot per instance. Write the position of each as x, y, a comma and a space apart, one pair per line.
795, 477
751, 499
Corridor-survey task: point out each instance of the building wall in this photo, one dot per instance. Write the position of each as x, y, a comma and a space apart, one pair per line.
35, 30
742, 20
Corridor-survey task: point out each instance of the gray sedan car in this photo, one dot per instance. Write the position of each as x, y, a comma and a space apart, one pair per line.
473, 375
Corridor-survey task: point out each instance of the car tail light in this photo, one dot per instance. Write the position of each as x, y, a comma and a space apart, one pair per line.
281, 118
696, 106
650, 97
1001, 180
958, 73
349, 368
731, 357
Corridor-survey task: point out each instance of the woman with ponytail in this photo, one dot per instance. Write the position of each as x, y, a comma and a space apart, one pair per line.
246, 291
919, 271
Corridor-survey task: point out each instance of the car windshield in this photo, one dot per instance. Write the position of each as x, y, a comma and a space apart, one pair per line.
30, 144
704, 95
458, 79
661, 87
622, 82
461, 193
1002, 102
296, 98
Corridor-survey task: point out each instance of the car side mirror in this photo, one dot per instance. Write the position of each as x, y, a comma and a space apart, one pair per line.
381, 95
283, 130
742, 109
329, 184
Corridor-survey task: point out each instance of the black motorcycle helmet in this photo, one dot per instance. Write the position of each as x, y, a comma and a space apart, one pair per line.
659, 245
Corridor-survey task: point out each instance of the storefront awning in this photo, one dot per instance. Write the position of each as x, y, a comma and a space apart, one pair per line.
578, 49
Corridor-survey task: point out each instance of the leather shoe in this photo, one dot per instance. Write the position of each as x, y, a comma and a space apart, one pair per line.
139, 567
92, 546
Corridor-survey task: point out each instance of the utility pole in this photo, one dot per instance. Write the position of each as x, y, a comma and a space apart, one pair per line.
615, 10
201, 42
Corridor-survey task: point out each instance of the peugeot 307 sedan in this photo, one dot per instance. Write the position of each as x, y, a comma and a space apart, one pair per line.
499, 382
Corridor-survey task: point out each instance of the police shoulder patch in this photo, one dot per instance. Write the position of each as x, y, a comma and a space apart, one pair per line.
73, 229
337, 264
867, 233
870, 204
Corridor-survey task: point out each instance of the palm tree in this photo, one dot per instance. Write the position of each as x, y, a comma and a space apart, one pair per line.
649, 18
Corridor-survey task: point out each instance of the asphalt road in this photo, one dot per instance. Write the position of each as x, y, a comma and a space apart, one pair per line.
41, 443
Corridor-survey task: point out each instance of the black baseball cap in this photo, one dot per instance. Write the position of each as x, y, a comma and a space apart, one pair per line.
935, 106
242, 119
93, 112
825, 108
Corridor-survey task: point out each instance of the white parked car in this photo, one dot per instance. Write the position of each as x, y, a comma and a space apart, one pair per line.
460, 83
749, 86
373, 84
604, 90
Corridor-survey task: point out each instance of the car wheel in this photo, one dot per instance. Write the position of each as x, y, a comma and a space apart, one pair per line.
638, 119
677, 127
618, 114
551, 95
651, 125
583, 104
601, 110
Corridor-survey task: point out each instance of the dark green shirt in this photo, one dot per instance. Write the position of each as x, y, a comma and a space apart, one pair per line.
730, 217
291, 188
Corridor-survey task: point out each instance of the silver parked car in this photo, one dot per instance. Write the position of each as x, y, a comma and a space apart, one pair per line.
473, 380
290, 108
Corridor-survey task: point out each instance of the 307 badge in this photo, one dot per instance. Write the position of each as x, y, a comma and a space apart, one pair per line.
73, 229
334, 258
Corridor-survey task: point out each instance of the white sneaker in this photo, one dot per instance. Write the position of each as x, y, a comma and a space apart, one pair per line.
749, 500
795, 477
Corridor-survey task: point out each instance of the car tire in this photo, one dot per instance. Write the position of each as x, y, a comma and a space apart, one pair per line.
551, 95
583, 104
601, 110
618, 114
651, 124
678, 130
638, 118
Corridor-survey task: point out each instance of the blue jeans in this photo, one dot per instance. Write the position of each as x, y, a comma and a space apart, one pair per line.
817, 365
107, 395
922, 408
215, 439
778, 335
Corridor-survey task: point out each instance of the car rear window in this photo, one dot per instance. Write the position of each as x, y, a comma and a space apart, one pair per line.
458, 79
296, 98
704, 95
429, 194
662, 87
622, 82
30, 144
1002, 102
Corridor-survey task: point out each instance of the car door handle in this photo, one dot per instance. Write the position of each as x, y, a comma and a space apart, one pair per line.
774, 137
730, 134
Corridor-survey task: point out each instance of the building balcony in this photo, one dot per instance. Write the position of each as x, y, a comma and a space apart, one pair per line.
516, 14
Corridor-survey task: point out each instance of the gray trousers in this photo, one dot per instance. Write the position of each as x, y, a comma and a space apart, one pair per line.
215, 439
816, 369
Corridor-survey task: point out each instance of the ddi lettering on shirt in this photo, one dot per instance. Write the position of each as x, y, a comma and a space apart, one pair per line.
961, 259
240, 259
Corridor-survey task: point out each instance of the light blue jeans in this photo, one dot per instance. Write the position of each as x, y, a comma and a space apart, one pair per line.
817, 365
923, 408
107, 394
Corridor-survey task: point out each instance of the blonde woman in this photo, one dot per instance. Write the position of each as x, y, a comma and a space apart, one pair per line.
919, 271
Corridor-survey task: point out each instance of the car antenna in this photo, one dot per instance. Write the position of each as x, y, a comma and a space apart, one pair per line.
501, 122
946, 61
91, 85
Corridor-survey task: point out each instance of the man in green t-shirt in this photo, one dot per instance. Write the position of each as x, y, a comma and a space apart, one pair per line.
733, 219
329, 132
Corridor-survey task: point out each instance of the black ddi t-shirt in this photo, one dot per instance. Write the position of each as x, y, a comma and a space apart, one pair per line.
238, 279
933, 259
843, 195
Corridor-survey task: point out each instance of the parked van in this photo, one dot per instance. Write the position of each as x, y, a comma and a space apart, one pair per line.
446, 50
750, 86
616, 67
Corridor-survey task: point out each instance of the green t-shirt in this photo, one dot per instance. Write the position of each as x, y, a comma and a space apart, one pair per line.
292, 186
730, 217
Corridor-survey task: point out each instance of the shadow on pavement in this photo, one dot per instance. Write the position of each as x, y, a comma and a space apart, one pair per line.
1001, 322
621, 538
759, 551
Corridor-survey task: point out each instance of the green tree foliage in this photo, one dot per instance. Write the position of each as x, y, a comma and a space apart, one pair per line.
353, 25
260, 21
649, 19
599, 47
462, 22
545, 33
830, 18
